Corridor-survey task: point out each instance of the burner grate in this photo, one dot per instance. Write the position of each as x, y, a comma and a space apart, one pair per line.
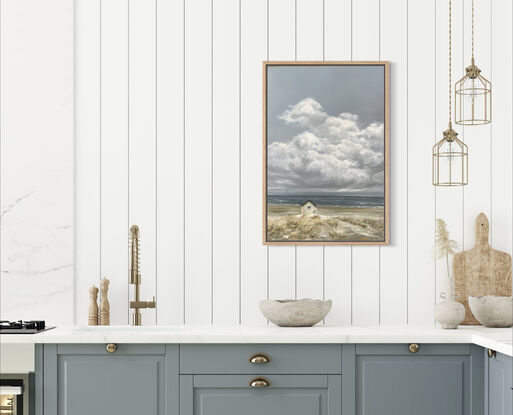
23, 327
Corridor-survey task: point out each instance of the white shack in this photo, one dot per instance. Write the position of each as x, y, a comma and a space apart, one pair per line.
309, 208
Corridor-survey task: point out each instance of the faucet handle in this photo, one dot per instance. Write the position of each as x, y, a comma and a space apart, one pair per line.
143, 304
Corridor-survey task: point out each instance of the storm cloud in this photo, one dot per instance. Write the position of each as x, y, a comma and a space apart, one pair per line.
331, 153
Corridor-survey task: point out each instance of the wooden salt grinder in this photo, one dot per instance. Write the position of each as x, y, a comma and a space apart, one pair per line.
104, 303
93, 306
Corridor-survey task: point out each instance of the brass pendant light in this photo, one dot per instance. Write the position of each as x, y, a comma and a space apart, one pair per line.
450, 154
473, 94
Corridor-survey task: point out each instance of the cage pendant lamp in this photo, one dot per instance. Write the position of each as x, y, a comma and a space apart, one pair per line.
473, 94
450, 154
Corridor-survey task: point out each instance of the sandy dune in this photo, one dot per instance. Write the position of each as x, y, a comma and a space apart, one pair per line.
331, 223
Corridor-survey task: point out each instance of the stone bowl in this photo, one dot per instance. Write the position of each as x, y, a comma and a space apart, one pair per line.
295, 313
492, 311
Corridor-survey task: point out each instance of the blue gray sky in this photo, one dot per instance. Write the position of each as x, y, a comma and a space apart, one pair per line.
325, 129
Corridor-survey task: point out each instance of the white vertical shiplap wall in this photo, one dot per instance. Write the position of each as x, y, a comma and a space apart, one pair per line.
421, 132
501, 180
170, 161
226, 162
254, 265
114, 148
169, 130
393, 283
198, 155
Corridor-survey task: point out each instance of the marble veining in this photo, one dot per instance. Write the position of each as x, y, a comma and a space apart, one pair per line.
37, 251
37, 162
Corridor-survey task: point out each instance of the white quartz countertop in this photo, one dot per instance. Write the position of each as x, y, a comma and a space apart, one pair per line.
496, 339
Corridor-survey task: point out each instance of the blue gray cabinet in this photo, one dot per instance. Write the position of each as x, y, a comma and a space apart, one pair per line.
293, 379
392, 380
284, 395
87, 379
499, 384
275, 379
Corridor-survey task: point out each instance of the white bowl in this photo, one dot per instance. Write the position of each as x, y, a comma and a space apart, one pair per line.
492, 311
295, 313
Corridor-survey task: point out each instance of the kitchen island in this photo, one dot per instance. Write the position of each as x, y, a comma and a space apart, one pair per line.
254, 370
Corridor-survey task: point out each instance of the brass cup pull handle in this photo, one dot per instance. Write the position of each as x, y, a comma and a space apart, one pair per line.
259, 358
491, 353
259, 383
413, 348
111, 347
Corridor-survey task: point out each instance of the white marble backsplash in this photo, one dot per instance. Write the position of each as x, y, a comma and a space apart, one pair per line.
36, 145
37, 250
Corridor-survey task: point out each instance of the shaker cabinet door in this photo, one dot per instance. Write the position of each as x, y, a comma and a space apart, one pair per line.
499, 386
411, 383
284, 395
130, 381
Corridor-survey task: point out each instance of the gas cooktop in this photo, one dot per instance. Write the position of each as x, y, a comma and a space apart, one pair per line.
23, 327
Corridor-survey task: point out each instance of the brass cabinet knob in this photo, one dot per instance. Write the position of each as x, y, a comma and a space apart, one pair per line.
491, 353
259, 383
259, 358
111, 347
413, 348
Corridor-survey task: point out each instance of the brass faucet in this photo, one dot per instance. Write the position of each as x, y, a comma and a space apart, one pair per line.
135, 278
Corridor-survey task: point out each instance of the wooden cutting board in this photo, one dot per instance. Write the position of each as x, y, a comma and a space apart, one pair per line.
481, 271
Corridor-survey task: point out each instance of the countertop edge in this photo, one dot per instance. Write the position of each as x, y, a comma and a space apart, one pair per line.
499, 340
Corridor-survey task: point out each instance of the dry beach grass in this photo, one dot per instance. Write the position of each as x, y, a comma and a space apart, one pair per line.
331, 223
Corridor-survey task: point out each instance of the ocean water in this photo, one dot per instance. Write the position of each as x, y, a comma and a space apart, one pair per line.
327, 200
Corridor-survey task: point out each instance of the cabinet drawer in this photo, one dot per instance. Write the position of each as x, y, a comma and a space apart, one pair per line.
284, 395
121, 349
283, 359
425, 349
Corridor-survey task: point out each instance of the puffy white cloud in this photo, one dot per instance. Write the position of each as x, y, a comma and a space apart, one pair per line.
305, 113
331, 153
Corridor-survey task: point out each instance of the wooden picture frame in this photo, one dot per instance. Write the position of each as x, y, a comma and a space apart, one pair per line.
381, 235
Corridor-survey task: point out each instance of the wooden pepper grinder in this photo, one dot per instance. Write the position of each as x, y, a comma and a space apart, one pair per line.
104, 303
93, 306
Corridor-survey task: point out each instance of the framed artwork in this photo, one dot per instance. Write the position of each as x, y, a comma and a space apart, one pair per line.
325, 154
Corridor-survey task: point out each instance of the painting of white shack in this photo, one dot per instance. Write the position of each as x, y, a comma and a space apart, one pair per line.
326, 149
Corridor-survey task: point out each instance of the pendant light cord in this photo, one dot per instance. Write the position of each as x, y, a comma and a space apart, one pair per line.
472, 30
450, 63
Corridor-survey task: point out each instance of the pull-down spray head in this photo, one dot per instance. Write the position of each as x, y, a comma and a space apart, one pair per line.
134, 255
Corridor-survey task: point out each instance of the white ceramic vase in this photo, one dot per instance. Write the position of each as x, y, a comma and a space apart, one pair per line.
449, 314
